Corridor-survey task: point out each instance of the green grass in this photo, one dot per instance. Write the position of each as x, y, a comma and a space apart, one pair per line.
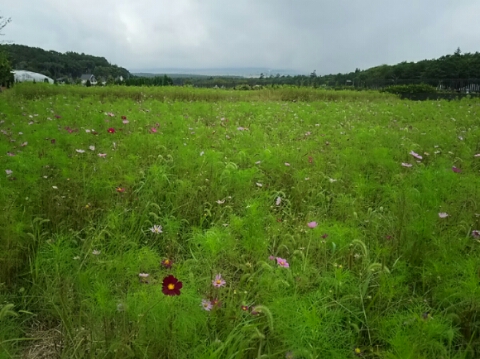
233, 178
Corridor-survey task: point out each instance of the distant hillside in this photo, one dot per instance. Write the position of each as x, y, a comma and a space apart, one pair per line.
57, 65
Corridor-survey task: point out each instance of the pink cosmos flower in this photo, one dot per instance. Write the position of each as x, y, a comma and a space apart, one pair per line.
416, 155
125, 122
456, 170
102, 155
443, 215
271, 258
156, 229
207, 305
476, 234
312, 224
282, 262
153, 129
218, 281
406, 164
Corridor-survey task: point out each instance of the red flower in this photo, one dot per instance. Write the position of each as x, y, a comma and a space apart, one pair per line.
111, 130
124, 117
245, 308
167, 263
171, 285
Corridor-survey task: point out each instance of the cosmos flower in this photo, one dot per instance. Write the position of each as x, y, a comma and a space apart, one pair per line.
111, 130
156, 229
207, 305
443, 215
282, 262
278, 201
171, 285
125, 122
476, 234
416, 155
259, 184
312, 224
287, 164
80, 151
102, 155
96, 252
406, 164
218, 281
92, 148
8, 172
456, 170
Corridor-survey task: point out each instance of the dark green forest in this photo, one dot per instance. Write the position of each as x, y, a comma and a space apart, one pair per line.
70, 65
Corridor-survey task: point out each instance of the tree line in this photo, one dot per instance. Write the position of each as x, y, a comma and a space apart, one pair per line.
449, 71
69, 66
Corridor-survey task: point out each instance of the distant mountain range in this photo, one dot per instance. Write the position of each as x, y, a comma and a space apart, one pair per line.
251, 72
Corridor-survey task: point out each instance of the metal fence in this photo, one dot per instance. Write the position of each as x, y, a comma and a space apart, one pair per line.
467, 86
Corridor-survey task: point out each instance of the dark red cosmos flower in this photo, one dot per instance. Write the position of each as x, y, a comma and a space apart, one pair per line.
124, 117
167, 263
245, 308
52, 141
171, 285
111, 130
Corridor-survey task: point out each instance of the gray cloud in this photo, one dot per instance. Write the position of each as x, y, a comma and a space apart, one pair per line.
330, 36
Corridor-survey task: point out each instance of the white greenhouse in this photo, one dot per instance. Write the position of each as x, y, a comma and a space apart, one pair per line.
22, 76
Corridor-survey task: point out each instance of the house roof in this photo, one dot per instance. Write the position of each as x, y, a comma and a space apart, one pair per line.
86, 77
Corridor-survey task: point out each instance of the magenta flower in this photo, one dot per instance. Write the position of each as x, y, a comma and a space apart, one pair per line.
456, 170
443, 215
282, 262
271, 258
218, 281
416, 155
153, 129
207, 305
312, 224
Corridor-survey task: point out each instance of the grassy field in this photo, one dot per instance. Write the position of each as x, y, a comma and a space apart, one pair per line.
288, 223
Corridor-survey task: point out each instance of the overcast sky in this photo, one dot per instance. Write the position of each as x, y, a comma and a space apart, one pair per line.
328, 36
